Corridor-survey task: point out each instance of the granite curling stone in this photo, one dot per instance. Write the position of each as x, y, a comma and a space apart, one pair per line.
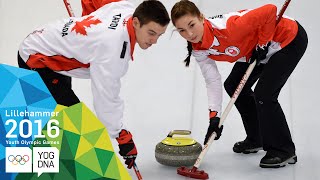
177, 149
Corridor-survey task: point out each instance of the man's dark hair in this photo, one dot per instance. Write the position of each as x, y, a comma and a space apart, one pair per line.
152, 10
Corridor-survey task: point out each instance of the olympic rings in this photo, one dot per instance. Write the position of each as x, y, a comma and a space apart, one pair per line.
18, 159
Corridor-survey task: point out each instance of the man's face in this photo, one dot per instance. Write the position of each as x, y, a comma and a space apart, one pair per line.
147, 34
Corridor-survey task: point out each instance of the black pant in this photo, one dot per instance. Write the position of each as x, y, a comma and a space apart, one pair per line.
59, 85
261, 113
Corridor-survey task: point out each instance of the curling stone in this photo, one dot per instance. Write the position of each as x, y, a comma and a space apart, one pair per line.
177, 149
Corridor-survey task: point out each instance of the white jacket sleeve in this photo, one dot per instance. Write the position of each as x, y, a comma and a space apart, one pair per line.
106, 84
213, 81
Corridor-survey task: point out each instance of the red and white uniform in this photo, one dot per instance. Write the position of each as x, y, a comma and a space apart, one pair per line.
232, 37
97, 46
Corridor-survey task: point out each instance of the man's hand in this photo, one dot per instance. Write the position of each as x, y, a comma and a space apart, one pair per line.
127, 147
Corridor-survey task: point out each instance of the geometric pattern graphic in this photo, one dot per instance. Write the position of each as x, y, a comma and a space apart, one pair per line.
84, 146
23, 95
86, 150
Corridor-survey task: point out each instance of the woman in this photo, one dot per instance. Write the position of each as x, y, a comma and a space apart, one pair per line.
243, 37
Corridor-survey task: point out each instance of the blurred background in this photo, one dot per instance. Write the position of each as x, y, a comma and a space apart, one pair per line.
161, 94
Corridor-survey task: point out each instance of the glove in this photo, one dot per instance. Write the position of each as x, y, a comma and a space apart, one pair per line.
259, 53
127, 148
213, 127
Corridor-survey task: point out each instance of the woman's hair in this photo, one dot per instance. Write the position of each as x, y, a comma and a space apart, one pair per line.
182, 8
152, 10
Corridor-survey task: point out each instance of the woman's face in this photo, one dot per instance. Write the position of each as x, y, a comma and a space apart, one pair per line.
190, 27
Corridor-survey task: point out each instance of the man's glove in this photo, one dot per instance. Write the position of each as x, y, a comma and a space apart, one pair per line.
213, 127
127, 148
259, 53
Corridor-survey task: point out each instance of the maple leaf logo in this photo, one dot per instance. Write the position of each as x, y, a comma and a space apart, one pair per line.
80, 26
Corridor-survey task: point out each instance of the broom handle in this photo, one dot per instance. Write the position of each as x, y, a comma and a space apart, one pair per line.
136, 170
69, 9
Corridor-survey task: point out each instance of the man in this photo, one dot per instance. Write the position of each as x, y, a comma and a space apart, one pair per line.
96, 46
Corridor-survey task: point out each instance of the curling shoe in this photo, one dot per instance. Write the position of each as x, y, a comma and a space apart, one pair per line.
246, 147
275, 161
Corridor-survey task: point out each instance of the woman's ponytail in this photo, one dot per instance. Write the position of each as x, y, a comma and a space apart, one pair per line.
187, 60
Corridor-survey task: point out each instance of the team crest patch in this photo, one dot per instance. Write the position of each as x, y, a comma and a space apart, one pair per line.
232, 51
